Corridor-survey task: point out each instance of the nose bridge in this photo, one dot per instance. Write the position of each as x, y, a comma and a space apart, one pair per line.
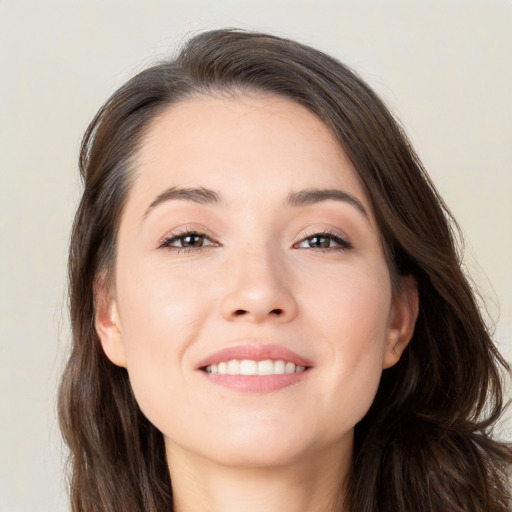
258, 285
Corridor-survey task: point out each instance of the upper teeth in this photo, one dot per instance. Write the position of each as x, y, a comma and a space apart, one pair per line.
250, 367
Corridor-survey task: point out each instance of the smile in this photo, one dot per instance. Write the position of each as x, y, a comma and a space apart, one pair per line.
251, 367
255, 367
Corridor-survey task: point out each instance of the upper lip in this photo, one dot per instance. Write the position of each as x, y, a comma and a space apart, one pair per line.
255, 352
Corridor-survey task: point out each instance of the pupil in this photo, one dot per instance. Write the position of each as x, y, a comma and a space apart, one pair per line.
319, 241
192, 240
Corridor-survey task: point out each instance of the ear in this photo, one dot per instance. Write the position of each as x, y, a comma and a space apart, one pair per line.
403, 315
107, 322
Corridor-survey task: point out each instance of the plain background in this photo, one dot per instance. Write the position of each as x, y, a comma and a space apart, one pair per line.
444, 67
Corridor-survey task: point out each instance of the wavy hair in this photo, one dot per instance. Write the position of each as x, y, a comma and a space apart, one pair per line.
426, 444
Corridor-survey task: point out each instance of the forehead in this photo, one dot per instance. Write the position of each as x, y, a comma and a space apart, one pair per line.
243, 146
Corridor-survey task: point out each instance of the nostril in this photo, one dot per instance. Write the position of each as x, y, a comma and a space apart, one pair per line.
242, 312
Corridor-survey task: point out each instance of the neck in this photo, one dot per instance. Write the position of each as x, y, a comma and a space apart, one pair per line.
314, 484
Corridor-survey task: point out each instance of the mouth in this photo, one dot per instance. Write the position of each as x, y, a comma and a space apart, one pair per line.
255, 368
253, 358
252, 367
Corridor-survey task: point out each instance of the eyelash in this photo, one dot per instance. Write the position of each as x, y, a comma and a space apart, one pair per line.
343, 244
168, 240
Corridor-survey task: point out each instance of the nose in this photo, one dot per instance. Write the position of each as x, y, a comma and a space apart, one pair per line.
259, 290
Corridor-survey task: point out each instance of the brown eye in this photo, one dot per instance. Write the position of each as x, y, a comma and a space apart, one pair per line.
192, 240
321, 242
187, 241
324, 241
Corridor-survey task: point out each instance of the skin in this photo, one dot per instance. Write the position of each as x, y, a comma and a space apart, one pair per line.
230, 450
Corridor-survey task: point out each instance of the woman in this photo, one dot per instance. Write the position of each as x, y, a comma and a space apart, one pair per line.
267, 303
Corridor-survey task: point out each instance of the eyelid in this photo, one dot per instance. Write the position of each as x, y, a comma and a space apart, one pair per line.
344, 241
164, 242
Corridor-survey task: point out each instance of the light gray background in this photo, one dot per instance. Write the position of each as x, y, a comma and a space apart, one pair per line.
443, 66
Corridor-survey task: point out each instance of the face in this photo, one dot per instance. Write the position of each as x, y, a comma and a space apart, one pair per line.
248, 245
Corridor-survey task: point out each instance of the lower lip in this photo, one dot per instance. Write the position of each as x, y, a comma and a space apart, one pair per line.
256, 383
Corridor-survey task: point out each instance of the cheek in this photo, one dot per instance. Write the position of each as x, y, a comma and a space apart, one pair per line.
350, 307
350, 313
158, 305
161, 314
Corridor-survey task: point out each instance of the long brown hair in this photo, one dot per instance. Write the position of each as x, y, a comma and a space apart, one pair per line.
426, 444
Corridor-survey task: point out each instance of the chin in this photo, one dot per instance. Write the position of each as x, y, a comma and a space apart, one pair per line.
269, 455
268, 447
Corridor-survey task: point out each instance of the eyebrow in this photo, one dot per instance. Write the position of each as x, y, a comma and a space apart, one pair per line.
206, 196
198, 195
313, 195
